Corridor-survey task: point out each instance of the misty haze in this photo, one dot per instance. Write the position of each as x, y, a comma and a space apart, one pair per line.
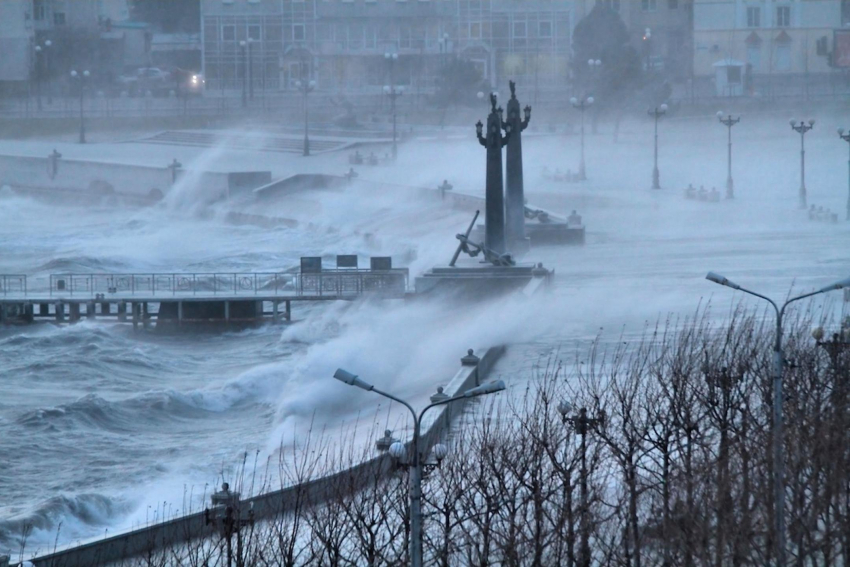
424, 282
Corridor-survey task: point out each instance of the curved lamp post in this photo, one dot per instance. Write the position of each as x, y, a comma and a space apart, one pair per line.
305, 88
778, 363
81, 77
399, 451
846, 138
581, 106
729, 121
657, 113
801, 129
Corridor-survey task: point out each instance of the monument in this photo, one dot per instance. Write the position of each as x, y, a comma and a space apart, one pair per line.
494, 210
517, 241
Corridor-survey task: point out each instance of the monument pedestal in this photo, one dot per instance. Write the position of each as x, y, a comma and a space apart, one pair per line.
480, 280
555, 233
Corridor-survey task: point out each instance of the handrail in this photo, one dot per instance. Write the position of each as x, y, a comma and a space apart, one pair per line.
11, 283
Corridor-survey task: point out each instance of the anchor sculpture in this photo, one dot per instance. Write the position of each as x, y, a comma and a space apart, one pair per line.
473, 249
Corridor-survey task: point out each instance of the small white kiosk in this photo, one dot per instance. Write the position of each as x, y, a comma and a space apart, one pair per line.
729, 77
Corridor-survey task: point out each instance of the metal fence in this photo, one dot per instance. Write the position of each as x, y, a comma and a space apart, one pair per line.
345, 282
13, 283
163, 284
328, 283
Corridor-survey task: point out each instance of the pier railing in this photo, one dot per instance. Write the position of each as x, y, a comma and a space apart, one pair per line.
13, 283
174, 284
327, 283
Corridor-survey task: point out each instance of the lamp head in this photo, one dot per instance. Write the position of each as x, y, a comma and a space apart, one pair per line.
73, 73
483, 389
811, 123
352, 379
242, 43
85, 73
386, 89
817, 333
664, 108
398, 451
527, 111
440, 451
841, 131
793, 123
480, 95
591, 62
573, 101
312, 84
37, 48
837, 285
479, 128
598, 62
565, 408
298, 84
590, 100
48, 43
719, 114
718, 279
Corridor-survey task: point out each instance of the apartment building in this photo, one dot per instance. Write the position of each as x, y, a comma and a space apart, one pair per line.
752, 38
342, 44
16, 33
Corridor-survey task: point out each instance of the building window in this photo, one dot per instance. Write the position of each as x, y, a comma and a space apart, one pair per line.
753, 17
519, 29
228, 33
783, 16
59, 18
648, 5
475, 30
254, 32
783, 57
545, 29
39, 10
673, 4
298, 32
754, 56
845, 12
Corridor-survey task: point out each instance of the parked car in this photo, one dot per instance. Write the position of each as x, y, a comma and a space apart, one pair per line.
188, 83
145, 79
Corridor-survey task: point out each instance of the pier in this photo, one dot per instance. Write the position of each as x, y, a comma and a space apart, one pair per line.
168, 300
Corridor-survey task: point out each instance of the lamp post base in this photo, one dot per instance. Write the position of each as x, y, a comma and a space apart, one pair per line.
656, 179
730, 189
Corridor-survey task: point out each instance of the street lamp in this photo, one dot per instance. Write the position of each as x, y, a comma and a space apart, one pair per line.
399, 451
778, 363
582, 105
81, 77
729, 122
801, 129
657, 113
393, 92
846, 138
306, 88
582, 424
647, 41
244, 47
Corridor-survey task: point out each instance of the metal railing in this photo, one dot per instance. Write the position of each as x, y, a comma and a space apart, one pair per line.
186, 283
328, 283
13, 283
347, 282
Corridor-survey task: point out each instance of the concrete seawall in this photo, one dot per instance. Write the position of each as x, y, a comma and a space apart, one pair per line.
265, 506
93, 178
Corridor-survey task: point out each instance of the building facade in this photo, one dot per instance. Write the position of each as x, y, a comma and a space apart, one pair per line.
753, 38
342, 44
16, 33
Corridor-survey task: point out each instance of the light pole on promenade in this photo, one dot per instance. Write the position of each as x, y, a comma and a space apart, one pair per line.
778, 364
399, 451
729, 121
801, 129
657, 113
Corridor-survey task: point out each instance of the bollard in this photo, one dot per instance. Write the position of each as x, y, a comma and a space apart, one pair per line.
74, 316
90, 310
60, 311
275, 314
288, 313
122, 311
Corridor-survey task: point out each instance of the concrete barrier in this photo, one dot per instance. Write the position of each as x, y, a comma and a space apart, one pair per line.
194, 527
